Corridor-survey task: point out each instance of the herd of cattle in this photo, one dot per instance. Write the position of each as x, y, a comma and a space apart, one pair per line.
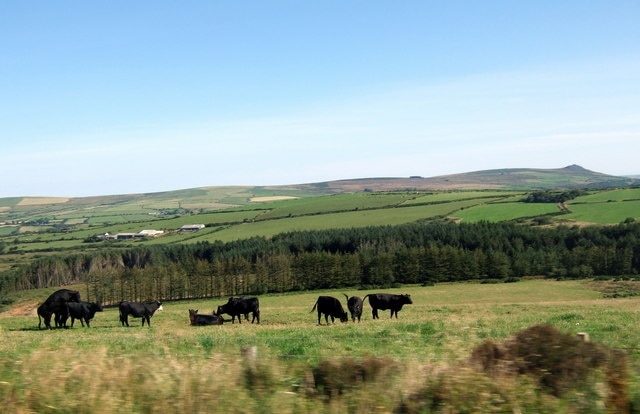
65, 303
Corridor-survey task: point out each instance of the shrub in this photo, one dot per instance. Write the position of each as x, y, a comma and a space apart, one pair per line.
332, 377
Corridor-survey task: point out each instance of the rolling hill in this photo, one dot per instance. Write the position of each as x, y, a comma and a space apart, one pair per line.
221, 197
32, 226
525, 179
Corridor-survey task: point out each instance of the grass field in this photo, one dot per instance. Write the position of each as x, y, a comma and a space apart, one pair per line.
176, 367
505, 211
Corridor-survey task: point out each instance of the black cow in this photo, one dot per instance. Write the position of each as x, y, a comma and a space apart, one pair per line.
386, 301
44, 314
84, 311
354, 304
201, 320
138, 310
330, 307
241, 306
57, 304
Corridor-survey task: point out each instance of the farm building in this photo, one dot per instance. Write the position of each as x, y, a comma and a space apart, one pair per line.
145, 233
192, 227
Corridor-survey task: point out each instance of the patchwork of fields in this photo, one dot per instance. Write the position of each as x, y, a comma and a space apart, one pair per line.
53, 227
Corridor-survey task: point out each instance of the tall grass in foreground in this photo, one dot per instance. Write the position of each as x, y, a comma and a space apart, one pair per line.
69, 380
451, 351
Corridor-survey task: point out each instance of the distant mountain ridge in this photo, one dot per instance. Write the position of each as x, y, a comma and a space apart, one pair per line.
572, 176
525, 179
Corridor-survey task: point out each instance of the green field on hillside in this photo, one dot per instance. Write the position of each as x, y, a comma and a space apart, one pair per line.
67, 229
505, 211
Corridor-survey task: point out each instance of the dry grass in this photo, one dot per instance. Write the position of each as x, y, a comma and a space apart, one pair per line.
36, 201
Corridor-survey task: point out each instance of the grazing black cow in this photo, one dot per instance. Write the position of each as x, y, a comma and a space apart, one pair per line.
138, 310
386, 301
84, 311
57, 304
241, 306
354, 304
330, 307
201, 320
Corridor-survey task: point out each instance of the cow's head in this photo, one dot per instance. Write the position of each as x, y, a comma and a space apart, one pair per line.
221, 309
192, 315
344, 317
406, 299
96, 307
74, 296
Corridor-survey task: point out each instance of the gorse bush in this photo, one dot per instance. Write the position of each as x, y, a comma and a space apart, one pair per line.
558, 362
538, 370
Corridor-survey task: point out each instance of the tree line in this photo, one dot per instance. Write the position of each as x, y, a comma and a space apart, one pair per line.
384, 256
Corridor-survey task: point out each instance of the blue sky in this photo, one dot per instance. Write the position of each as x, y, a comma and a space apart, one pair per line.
118, 97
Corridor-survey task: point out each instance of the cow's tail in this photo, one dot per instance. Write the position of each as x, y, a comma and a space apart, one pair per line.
314, 305
346, 296
365, 296
120, 311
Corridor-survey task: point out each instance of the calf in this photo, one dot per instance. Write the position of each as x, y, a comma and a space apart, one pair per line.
241, 306
138, 310
330, 307
200, 320
354, 304
84, 311
386, 301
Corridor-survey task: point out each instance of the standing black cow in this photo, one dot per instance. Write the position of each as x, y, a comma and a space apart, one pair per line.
84, 311
354, 304
138, 310
57, 304
241, 306
386, 301
330, 307
198, 319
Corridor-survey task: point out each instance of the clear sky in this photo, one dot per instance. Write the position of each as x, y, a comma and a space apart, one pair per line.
116, 97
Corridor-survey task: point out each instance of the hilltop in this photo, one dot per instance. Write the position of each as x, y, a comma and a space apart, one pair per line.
526, 179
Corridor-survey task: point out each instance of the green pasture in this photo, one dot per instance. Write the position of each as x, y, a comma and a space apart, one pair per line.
604, 213
172, 366
445, 320
618, 194
448, 196
115, 219
8, 230
497, 212
333, 203
349, 219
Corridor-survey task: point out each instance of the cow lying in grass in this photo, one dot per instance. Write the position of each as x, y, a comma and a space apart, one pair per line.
201, 320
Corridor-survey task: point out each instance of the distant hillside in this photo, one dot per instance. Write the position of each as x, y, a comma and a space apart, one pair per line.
222, 197
573, 176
